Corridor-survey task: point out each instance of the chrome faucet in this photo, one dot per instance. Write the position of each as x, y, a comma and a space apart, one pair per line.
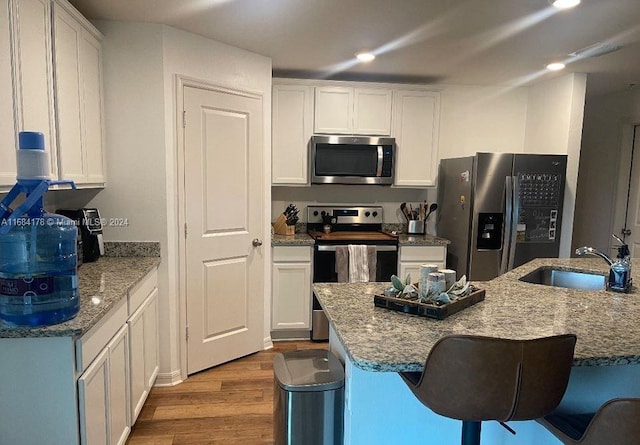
591, 251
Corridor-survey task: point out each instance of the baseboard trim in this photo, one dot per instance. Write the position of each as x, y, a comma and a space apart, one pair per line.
168, 378
267, 343
293, 334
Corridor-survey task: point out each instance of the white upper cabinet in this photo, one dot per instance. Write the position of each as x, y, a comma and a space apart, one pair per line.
292, 128
33, 75
7, 123
416, 117
78, 87
372, 111
348, 110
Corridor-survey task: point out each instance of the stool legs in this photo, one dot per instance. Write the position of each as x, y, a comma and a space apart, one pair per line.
470, 433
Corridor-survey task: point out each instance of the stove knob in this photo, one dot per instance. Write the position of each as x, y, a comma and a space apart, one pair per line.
367, 214
375, 214
323, 213
315, 213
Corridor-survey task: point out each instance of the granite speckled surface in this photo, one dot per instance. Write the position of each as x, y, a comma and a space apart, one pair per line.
299, 239
131, 248
422, 240
102, 284
606, 323
302, 239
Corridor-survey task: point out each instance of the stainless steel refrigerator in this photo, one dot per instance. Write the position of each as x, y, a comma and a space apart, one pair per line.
500, 210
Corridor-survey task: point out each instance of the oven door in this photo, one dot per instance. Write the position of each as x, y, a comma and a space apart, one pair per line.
324, 263
324, 271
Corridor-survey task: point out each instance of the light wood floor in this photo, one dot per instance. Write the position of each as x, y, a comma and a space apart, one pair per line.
230, 404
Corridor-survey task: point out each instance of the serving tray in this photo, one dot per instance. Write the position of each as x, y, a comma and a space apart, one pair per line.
428, 310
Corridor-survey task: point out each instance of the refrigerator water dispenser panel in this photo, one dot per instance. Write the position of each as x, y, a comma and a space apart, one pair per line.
489, 231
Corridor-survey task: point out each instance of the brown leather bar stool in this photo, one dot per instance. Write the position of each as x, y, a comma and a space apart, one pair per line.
474, 378
617, 422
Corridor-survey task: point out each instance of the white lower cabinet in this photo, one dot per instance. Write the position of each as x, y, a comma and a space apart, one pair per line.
93, 392
411, 258
119, 394
104, 395
115, 384
291, 288
143, 339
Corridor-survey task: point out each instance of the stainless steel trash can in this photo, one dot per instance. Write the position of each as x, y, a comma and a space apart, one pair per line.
308, 399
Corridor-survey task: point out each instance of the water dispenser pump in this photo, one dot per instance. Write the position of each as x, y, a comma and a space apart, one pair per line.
38, 255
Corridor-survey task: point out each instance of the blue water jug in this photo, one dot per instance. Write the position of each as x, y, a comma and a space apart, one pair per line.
38, 262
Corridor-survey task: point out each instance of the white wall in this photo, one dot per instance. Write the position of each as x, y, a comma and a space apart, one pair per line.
604, 168
555, 110
140, 64
481, 119
222, 65
136, 167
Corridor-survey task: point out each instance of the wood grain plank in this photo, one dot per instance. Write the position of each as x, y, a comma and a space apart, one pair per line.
229, 404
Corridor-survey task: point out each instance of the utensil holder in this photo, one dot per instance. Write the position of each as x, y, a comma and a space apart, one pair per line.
415, 227
280, 227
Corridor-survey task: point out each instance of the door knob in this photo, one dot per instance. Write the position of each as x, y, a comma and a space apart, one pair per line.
257, 242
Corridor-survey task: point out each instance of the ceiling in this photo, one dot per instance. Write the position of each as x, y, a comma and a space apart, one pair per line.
468, 42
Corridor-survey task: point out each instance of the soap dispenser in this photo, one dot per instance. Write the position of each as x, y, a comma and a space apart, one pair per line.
620, 272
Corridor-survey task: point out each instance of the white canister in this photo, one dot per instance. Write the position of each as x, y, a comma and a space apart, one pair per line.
449, 277
436, 285
425, 270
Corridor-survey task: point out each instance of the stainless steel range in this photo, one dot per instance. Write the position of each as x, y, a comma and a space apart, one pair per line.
333, 226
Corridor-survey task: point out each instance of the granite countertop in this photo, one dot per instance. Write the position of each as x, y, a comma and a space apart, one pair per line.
102, 284
299, 239
421, 240
377, 339
303, 239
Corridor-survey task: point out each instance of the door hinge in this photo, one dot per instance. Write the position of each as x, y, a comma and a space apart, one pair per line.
187, 332
185, 230
184, 119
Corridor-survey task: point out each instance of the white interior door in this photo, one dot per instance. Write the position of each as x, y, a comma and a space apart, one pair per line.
224, 215
632, 223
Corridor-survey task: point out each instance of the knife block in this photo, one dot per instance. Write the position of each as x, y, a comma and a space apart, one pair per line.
280, 227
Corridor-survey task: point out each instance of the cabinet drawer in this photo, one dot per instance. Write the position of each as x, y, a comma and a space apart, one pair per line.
291, 253
424, 254
142, 290
90, 344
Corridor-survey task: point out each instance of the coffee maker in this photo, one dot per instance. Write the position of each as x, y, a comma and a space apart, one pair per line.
89, 223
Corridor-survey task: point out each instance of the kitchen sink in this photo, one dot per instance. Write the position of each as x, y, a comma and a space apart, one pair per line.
565, 278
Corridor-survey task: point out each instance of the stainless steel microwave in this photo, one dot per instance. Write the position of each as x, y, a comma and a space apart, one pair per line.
352, 160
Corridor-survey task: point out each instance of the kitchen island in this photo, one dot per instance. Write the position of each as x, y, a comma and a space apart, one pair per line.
376, 343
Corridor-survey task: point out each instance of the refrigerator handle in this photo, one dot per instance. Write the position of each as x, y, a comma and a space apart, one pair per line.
514, 221
508, 210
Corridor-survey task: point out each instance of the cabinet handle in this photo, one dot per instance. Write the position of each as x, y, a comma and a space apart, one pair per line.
256, 242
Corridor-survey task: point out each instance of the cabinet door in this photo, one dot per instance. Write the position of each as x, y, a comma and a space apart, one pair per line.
151, 362
292, 128
119, 401
33, 72
93, 134
291, 304
7, 123
69, 100
78, 68
334, 110
93, 394
372, 111
138, 387
416, 128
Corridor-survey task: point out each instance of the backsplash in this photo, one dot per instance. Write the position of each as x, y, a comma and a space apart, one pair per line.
389, 198
131, 249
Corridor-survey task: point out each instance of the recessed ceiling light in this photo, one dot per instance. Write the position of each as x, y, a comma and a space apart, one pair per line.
565, 4
556, 66
365, 57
